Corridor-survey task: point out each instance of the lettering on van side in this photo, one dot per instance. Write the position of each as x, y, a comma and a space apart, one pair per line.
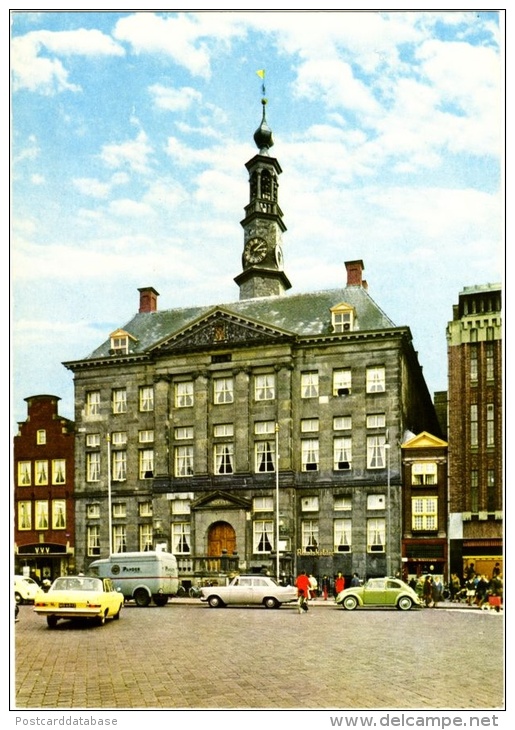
131, 570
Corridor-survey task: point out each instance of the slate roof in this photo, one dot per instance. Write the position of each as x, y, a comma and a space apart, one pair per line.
301, 315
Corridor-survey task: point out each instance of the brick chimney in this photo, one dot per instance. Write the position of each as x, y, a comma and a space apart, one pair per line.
148, 299
354, 273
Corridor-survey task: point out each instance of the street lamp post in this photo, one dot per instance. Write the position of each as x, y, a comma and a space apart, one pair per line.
277, 556
109, 508
388, 507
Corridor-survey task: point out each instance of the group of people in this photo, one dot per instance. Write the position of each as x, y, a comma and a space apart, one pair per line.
477, 588
307, 587
432, 591
474, 588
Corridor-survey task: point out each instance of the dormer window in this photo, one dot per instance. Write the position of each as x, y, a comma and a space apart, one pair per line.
343, 318
120, 342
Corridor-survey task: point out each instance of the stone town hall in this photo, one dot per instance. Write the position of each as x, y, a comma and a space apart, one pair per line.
191, 422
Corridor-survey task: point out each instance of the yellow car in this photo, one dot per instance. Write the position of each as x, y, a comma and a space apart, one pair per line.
74, 597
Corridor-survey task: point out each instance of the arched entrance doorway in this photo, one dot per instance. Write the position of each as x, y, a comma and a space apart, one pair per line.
221, 540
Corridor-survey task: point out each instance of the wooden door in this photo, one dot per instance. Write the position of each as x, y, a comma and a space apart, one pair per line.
221, 536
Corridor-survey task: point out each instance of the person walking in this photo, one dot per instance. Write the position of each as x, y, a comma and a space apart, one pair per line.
470, 572
326, 587
302, 602
470, 585
482, 590
454, 587
302, 585
437, 590
355, 581
427, 591
496, 592
313, 587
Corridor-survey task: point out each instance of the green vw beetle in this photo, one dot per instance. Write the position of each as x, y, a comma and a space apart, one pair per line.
379, 592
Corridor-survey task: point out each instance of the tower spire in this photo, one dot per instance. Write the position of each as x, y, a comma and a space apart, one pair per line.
263, 134
262, 260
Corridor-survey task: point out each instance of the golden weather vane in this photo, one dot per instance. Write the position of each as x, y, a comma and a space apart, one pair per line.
261, 74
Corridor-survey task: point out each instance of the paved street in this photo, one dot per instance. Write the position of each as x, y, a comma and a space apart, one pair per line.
186, 655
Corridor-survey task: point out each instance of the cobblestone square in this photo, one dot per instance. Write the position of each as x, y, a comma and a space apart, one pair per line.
188, 656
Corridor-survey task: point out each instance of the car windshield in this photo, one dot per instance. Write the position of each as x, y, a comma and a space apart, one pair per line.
77, 584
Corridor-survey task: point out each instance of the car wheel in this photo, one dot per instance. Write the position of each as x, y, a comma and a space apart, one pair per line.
102, 618
18, 598
117, 614
404, 603
141, 597
215, 602
349, 603
51, 621
271, 602
160, 600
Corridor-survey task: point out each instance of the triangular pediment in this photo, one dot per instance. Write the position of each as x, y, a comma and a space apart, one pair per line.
424, 440
220, 328
342, 307
221, 500
122, 333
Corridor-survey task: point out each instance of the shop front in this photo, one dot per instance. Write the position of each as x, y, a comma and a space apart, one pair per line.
44, 560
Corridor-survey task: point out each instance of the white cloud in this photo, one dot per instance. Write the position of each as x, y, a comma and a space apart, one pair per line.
468, 79
368, 39
333, 81
41, 331
176, 37
32, 72
171, 99
37, 72
166, 195
133, 154
91, 187
30, 151
79, 42
130, 208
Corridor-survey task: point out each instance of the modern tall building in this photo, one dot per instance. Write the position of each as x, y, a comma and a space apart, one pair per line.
44, 520
258, 435
474, 339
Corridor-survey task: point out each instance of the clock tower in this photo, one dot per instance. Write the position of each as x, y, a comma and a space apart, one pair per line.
263, 225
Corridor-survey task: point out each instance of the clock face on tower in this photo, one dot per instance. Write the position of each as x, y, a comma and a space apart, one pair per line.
255, 250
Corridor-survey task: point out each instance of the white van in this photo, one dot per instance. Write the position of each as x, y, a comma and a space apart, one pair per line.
146, 576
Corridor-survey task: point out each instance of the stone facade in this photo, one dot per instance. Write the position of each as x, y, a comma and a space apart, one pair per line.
193, 422
209, 447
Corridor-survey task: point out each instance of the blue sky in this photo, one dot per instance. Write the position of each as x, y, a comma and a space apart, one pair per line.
129, 137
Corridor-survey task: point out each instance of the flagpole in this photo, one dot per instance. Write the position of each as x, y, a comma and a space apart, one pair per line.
277, 566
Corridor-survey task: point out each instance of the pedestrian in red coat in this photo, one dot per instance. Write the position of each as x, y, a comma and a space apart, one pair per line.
302, 584
339, 583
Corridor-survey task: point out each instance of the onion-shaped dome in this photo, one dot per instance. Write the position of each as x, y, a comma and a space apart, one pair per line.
263, 134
